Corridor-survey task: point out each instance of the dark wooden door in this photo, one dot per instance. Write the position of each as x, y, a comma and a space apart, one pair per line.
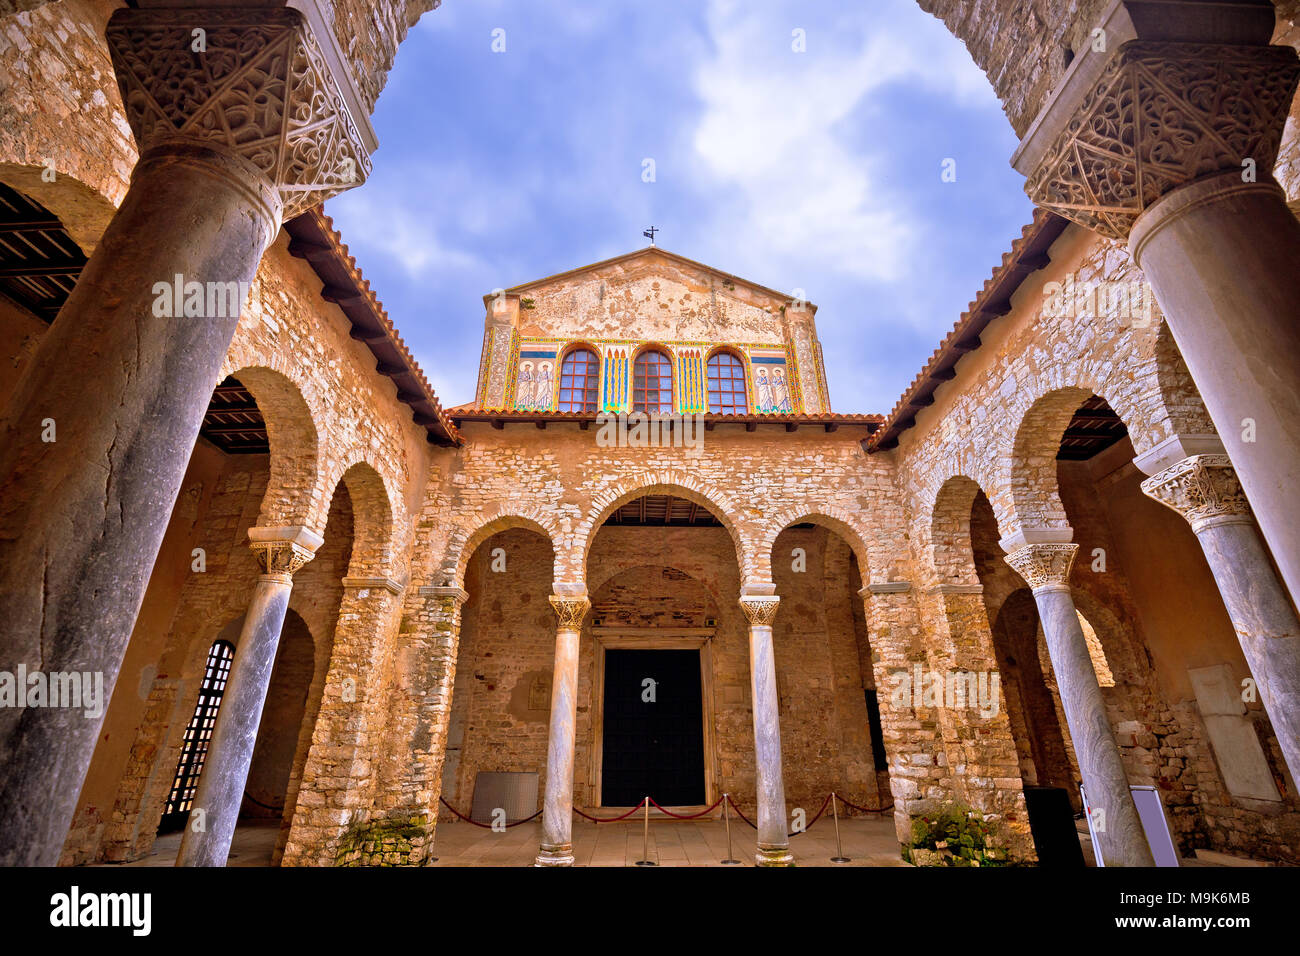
653, 747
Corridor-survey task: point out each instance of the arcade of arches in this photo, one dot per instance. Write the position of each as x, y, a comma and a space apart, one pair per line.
317, 597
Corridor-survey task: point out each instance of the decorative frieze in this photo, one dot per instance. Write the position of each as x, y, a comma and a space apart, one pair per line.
1160, 115
1200, 488
250, 81
1043, 565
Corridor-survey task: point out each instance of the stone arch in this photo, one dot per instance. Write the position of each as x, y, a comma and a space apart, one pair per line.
826, 516
373, 526
951, 551
84, 210
291, 427
1035, 500
703, 493
465, 540
1039, 411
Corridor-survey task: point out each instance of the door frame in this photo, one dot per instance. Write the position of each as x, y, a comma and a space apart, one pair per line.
658, 639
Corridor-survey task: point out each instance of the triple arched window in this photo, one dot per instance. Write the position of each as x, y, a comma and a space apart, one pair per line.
727, 385
579, 381
652, 382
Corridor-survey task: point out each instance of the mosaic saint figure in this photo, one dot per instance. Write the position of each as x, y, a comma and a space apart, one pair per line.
764, 389
524, 387
542, 387
780, 394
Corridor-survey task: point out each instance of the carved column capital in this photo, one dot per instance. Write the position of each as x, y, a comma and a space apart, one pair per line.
760, 608
281, 551
570, 610
252, 83
280, 559
1160, 115
1202, 488
1043, 565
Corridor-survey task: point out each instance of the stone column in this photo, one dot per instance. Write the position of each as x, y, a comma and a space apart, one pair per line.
1169, 140
1046, 567
232, 139
773, 838
557, 808
1204, 490
280, 552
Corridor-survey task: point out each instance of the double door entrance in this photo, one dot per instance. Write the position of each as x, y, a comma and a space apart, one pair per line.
653, 725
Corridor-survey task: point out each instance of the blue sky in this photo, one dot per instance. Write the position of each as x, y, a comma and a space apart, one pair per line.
817, 170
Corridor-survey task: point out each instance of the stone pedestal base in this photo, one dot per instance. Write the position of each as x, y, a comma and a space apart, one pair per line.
773, 856
560, 854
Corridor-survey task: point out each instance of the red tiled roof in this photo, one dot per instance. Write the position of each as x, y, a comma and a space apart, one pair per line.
500, 417
1028, 254
312, 237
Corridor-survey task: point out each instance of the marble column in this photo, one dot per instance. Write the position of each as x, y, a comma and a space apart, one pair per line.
280, 552
1167, 139
232, 140
557, 806
773, 837
1204, 490
1046, 567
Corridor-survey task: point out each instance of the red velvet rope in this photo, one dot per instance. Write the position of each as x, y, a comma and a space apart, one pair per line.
825, 802
687, 816
676, 816
487, 826
587, 816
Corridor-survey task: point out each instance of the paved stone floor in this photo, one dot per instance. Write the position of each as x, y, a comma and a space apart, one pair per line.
867, 842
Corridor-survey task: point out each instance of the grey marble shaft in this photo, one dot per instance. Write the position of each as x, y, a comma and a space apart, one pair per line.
557, 806
773, 841
225, 770
1265, 624
1123, 841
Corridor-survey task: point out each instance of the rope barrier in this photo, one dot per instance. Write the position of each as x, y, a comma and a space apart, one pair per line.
753, 826
676, 816
588, 816
487, 826
686, 816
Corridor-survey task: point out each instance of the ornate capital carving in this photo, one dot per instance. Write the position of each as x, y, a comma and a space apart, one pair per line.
255, 84
1200, 488
1043, 565
570, 610
760, 609
281, 559
1160, 115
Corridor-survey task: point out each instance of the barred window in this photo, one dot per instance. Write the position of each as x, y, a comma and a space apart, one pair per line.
194, 748
727, 384
652, 383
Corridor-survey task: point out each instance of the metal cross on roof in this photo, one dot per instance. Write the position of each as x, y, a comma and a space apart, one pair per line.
650, 234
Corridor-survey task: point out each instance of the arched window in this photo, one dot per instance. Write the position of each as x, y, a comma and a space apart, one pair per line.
652, 383
727, 384
194, 748
579, 379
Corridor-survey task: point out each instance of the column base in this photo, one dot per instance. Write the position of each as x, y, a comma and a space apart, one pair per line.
773, 856
555, 854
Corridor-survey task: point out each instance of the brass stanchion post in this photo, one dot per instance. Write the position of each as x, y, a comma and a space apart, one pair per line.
839, 856
645, 839
726, 816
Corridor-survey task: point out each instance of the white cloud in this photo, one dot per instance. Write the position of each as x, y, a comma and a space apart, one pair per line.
774, 128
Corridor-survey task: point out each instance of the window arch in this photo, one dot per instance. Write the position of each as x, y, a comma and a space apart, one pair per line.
579, 381
652, 382
198, 734
727, 384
